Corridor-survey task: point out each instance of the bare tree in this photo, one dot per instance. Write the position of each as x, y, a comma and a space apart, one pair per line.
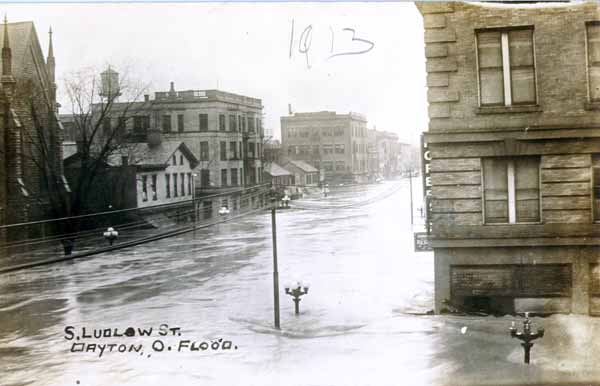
99, 125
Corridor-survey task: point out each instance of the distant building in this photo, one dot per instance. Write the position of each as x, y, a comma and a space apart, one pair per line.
277, 176
304, 174
383, 153
272, 151
336, 144
512, 155
27, 77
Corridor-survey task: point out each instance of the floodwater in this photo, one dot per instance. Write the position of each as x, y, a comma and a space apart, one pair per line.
357, 324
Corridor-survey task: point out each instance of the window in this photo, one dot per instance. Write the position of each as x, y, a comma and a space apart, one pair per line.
340, 166
593, 50
327, 149
182, 176
223, 151
241, 177
144, 188
181, 160
234, 177
251, 122
339, 131
340, 148
166, 123
596, 186
124, 160
506, 67
204, 151
304, 149
250, 149
233, 150
304, 133
327, 133
153, 187
168, 185
259, 125
203, 122
180, 123
232, 123
174, 159
174, 184
223, 177
240, 123
328, 166
140, 124
511, 190
204, 178
222, 122
189, 183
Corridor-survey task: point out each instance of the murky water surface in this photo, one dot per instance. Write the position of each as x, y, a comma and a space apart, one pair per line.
355, 325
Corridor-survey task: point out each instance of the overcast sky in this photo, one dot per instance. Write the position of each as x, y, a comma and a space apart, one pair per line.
245, 48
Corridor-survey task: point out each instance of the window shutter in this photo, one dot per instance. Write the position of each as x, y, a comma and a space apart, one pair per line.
491, 81
527, 193
522, 73
495, 190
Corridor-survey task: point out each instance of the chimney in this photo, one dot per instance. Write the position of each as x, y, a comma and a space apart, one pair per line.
146, 97
290, 109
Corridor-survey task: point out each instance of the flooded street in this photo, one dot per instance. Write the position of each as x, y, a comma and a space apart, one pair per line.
354, 327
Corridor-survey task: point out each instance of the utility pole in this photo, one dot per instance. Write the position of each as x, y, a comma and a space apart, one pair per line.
411, 196
275, 271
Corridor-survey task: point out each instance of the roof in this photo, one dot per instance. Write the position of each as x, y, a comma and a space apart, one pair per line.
303, 166
22, 36
141, 154
275, 170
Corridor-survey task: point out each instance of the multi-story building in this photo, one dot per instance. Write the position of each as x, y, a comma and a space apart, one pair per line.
512, 154
336, 144
30, 138
223, 131
382, 153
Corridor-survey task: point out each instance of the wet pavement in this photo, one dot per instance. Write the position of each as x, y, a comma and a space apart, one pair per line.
355, 325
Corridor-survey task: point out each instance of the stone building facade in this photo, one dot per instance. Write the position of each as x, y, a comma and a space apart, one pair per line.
512, 155
28, 123
336, 144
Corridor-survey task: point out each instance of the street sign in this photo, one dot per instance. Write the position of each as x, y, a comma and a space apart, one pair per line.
422, 242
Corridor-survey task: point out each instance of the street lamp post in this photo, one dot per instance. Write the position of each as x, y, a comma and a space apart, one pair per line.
296, 291
275, 270
526, 336
111, 235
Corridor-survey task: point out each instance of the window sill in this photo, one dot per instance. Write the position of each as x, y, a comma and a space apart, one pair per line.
513, 223
508, 109
592, 106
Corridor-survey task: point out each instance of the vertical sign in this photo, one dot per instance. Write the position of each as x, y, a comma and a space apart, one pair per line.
425, 173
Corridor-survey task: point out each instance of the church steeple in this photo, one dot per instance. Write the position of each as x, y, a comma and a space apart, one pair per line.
50, 61
51, 70
7, 78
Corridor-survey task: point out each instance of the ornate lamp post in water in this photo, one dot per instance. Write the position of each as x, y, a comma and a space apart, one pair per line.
111, 235
296, 290
526, 336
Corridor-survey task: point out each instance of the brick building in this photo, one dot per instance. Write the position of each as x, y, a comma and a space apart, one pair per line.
336, 144
29, 123
223, 130
512, 154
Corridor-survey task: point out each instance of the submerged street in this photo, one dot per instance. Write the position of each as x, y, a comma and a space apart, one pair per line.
357, 324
